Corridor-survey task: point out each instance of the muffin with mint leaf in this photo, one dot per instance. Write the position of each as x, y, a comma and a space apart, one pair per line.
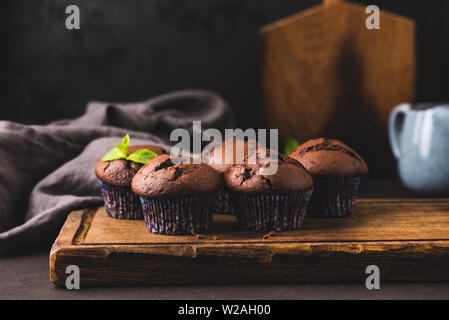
115, 172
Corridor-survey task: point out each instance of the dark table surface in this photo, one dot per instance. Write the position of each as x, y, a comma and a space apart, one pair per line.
27, 277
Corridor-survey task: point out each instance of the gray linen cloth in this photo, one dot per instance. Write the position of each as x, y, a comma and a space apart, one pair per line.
48, 171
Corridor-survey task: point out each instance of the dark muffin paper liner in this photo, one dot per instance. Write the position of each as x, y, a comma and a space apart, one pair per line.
223, 203
121, 202
183, 215
333, 197
271, 212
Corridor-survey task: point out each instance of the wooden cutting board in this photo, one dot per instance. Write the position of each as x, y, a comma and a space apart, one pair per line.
325, 74
407, 239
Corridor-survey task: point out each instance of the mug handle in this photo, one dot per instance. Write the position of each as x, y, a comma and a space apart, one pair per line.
397, 117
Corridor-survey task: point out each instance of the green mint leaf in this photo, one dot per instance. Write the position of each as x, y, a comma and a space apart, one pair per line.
142, 156
114, 154
290, 145
124, 147
123, 150
125, 141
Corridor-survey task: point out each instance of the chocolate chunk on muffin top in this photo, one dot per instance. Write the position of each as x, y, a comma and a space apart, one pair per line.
291, 176
119, 173
161, 178
329, 158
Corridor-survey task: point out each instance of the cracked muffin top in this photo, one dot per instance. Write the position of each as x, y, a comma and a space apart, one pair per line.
290, 177
161, 178
119, 173
224, 155
329, 158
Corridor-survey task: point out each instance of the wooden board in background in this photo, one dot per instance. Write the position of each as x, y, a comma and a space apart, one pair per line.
325, 74
407, 239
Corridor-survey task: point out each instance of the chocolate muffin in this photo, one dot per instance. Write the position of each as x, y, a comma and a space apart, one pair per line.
115, 181
275, 202
336, 171
221, 157
176, 198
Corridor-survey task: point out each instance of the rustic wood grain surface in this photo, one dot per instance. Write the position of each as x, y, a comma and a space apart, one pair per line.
408, 239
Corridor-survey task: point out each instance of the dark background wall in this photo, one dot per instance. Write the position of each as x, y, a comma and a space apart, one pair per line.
134, 49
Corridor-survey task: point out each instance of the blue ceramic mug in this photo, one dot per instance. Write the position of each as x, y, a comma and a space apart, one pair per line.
419, 138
